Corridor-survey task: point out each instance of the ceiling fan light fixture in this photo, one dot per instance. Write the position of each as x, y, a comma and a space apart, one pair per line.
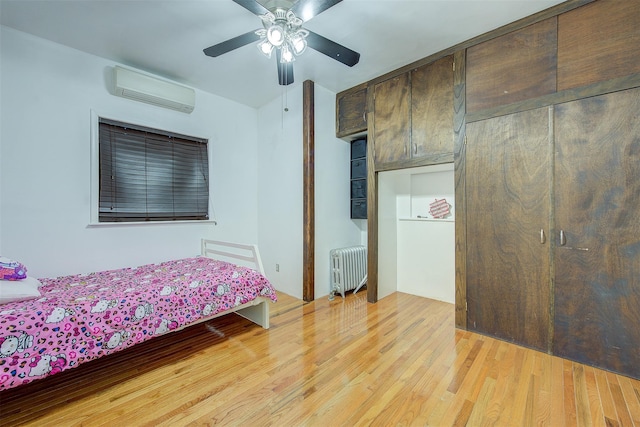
293, 20
287, 55
298, 41
268, 19
276, 34
282, 30
265, 47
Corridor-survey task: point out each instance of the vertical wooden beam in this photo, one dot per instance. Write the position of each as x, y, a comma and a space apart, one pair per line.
372, 206
372, 229
459, 154
308, 141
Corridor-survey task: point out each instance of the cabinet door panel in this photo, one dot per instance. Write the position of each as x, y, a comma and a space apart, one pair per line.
507, 196
597, 203
598, 42
351, 112
392, 131
517, 66
432, 108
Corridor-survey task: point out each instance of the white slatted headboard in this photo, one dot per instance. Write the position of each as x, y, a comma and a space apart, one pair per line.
237, 253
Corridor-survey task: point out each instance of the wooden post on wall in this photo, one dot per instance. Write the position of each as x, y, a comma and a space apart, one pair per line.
308, 141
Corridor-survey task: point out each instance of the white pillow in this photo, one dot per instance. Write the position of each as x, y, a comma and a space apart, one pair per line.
19, 290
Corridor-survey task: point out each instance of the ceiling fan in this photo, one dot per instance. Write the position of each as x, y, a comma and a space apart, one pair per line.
282, 32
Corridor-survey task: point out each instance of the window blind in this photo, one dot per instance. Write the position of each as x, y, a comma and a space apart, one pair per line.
151, 175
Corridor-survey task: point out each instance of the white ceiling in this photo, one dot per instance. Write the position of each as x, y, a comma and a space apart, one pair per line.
166, 37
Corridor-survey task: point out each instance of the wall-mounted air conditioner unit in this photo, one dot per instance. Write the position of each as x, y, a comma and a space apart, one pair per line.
142, 87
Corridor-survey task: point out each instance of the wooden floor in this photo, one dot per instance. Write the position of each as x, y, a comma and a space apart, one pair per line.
338, 363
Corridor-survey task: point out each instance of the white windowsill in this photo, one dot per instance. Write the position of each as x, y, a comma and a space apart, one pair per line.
145, 223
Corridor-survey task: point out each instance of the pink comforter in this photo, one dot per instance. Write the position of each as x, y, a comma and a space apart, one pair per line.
83, 317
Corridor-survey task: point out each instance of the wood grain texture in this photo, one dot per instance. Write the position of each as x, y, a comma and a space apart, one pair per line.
551, 12
372, 228
565, 95
514, 67
345, 362
351, 111
507, 203
432, 108
598, 42
308, 165
372, 207
597, 285
595, 89
426, 160
391, 120
459, 153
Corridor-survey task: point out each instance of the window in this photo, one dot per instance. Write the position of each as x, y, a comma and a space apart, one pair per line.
151, 175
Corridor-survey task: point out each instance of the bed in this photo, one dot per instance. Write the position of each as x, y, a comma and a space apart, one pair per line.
83, 317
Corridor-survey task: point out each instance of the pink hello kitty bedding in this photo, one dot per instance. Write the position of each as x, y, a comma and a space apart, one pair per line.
83, 317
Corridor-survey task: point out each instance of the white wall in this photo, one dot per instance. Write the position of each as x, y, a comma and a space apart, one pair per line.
280, 190
426, 247
426, 259
48, 91
1, 127
416, 255
334, 226
392, 185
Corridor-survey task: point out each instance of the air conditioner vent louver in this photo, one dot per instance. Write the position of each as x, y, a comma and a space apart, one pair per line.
144, 88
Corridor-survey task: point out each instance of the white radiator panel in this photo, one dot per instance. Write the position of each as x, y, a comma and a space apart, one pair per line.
348, 268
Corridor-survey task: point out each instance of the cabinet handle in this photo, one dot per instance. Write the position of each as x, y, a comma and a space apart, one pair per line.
405, 150
563, 238
542, 238
415, 148
364, 116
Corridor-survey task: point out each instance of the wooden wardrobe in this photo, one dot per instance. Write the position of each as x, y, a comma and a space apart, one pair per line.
542, 120
553, 235
552, 188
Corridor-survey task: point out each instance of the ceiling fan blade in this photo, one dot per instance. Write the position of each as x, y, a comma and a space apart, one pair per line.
285, 71
307, 9
252, 6
332, 49
231, 44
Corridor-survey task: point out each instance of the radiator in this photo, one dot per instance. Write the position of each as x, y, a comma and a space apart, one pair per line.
348, 269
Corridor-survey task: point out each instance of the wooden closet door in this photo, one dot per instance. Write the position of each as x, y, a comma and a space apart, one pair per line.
507, 195
597, 206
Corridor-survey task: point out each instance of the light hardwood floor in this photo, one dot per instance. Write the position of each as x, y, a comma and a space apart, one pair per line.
338, 363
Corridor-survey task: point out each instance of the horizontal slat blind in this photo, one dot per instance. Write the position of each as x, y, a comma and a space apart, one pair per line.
149, 175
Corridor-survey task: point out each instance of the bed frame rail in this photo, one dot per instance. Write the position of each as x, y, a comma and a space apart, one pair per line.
257, 310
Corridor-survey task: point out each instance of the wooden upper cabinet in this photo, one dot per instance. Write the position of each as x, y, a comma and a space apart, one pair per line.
598, 42
351, 111
432, 108
514, 67
391, 124
413, 116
